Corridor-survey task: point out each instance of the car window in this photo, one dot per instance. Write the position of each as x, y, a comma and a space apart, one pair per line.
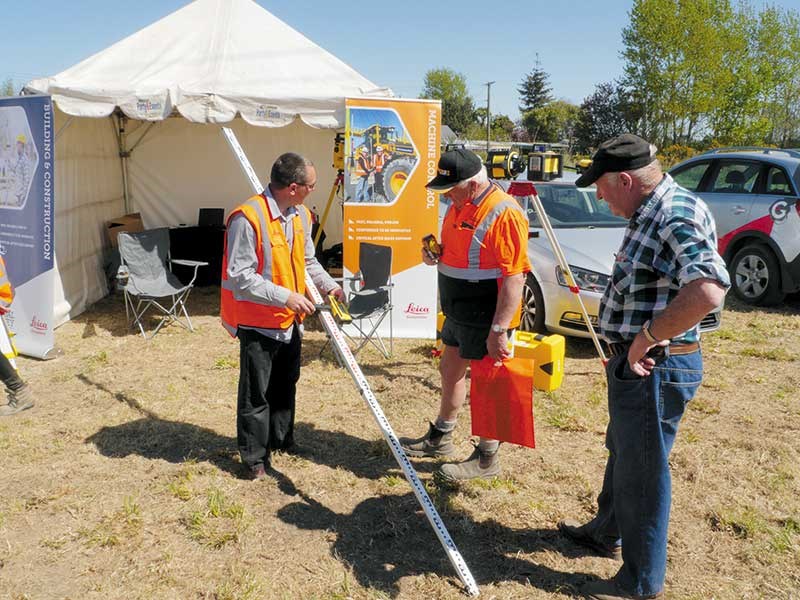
691, 176
777, 182
571, 207
735, 178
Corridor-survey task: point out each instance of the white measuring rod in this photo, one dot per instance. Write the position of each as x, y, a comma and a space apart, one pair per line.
6, 344
562, 261
349, 361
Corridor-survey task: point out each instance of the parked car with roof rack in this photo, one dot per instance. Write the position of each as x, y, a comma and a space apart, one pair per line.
753, 194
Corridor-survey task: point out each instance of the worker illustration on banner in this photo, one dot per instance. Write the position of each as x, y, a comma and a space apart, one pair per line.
27, 240
391, 150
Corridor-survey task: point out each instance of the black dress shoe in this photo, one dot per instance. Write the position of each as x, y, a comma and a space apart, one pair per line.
579, 534
258, 472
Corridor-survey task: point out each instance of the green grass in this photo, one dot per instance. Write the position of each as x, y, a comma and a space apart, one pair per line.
219, 523
787, 538
743, 523
777, 354
226, 362
561, 414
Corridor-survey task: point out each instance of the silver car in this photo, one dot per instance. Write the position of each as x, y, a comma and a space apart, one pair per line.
589, 236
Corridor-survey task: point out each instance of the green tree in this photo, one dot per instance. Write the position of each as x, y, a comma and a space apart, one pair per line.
458, 108
553, 122
534, 90
603, 115
7, 88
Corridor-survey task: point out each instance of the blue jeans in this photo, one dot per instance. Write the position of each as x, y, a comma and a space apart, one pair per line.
633, 506
362, 190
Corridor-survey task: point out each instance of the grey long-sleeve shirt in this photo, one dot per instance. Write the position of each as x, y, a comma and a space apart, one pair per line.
247, 282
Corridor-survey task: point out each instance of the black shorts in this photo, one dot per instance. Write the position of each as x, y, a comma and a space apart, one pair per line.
469, 339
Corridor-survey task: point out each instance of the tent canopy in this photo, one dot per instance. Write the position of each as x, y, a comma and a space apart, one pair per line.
209, 61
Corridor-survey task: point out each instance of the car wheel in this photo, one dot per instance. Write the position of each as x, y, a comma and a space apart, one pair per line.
532, 306
756, 277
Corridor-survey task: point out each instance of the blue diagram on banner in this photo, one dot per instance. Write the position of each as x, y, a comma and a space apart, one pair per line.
26, 186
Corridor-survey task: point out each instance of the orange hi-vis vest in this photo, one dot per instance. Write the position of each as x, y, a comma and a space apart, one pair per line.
6, 291
277, 263
470, 276
363, 166
378, 161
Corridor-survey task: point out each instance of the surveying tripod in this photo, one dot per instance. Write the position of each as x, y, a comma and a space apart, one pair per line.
338, 183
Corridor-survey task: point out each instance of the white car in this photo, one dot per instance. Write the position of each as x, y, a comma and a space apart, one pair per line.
589, 236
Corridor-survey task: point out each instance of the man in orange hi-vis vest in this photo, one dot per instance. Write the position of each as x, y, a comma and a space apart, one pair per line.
268, 249
378, 162
363, 171
482, 269
20, 395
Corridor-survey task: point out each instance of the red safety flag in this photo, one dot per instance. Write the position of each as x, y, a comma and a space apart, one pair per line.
501, 400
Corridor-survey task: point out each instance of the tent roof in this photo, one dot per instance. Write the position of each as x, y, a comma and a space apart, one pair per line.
209, 61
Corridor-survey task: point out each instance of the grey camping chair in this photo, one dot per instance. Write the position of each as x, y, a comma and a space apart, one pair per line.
145, 272
370, 297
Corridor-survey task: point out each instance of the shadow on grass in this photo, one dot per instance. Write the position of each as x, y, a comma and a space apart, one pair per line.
388, 538
789, 307
109, 313
157, 438
174, 441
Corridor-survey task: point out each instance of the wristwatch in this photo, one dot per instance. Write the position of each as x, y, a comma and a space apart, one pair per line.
498, 328
648, 335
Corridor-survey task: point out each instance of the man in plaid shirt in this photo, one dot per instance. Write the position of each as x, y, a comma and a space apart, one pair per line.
667, 276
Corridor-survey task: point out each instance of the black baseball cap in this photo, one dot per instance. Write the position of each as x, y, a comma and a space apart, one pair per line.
455, 166
622, 153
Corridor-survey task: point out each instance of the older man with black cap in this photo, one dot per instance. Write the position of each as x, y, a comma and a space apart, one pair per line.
481, 274
667, 276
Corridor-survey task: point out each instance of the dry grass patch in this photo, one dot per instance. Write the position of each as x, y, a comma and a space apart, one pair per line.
124, 481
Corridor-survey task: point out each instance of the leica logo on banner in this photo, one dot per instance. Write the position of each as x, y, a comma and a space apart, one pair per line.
416, 311
38, 326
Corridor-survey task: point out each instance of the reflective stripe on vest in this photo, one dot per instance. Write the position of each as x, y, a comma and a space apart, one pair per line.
490, 205
6, 291
277, 263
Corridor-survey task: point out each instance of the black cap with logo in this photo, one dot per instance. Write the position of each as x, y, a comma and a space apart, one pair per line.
455, 166
625, 152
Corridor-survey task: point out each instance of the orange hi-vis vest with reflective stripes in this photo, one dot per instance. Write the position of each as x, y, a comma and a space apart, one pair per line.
469, 274
6, 291
363, 166
277, 263
378, 161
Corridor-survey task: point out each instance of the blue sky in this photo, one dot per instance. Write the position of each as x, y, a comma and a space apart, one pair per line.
391, 43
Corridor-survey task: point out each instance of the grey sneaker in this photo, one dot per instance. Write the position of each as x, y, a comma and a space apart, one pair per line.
483, 465
433, 443
17, 401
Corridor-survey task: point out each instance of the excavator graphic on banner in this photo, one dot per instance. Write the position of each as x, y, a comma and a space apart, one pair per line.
400, 161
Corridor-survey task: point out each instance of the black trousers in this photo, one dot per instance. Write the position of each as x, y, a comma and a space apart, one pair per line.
268, 374
8, 375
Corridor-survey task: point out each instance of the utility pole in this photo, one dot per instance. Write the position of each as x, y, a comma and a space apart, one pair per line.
488, 85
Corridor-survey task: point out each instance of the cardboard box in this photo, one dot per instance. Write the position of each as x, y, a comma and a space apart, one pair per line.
131, 223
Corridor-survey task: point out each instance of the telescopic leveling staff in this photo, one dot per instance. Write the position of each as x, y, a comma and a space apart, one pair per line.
351, 365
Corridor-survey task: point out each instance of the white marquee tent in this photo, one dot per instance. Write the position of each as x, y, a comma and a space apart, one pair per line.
137, 127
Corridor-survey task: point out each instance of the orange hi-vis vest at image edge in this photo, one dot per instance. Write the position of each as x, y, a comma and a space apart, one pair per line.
6, 291
470, 276
277, 263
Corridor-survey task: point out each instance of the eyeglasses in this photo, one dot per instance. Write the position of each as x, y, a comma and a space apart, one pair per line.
309, 186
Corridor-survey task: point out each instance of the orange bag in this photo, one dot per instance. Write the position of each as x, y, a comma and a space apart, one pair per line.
501, 400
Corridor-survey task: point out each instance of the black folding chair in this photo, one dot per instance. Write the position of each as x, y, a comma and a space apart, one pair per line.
370, 297
146, 277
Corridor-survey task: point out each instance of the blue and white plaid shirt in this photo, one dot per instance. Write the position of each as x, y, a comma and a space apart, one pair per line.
670, 241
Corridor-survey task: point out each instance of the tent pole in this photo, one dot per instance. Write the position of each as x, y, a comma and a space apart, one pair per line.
123, 156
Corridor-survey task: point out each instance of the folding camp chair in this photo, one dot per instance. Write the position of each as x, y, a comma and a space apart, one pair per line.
370, 297
145, 272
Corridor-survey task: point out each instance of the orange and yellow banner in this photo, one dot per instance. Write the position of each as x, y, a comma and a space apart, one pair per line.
391, 151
